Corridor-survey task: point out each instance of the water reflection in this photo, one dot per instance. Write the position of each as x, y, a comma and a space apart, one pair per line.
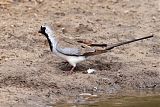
149, 101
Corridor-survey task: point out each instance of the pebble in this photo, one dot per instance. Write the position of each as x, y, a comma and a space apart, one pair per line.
91, 71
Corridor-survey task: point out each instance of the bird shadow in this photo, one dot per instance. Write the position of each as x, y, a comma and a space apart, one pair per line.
97, 64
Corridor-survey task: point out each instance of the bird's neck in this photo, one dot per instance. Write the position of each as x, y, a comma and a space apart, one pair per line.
51, 41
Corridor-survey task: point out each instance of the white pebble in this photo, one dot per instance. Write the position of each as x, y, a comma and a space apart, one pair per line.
91, 71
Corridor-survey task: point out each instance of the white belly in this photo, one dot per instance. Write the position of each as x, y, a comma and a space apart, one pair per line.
73, 60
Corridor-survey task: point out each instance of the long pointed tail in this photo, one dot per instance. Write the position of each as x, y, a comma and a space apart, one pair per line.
96, 52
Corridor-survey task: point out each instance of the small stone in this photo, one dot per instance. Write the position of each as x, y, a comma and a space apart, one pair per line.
91, 71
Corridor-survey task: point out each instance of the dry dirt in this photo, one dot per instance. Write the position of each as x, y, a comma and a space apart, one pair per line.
31, 76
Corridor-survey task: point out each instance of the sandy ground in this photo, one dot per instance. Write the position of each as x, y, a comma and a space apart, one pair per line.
31, 76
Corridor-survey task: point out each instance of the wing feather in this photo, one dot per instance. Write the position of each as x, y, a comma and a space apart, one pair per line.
69, 51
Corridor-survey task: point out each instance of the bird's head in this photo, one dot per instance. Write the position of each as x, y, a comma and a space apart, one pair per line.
45, 30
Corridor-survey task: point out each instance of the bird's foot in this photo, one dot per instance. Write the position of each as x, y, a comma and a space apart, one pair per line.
70, 72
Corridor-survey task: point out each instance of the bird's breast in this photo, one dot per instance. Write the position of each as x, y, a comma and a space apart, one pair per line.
73, 60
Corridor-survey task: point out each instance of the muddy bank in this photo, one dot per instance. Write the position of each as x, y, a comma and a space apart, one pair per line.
30, 75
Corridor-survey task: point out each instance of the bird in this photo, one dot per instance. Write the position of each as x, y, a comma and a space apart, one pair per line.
74, 54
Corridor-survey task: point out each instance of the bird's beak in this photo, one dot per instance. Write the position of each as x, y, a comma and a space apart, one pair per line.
40, 31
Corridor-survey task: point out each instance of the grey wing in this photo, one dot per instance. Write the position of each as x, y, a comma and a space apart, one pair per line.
69, 51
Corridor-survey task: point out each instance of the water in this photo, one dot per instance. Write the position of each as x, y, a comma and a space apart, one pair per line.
148, 101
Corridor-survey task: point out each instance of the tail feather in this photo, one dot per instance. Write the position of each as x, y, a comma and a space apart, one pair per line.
96, 52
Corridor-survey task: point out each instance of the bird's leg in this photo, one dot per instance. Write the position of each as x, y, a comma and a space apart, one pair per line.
72, 68
71, 71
